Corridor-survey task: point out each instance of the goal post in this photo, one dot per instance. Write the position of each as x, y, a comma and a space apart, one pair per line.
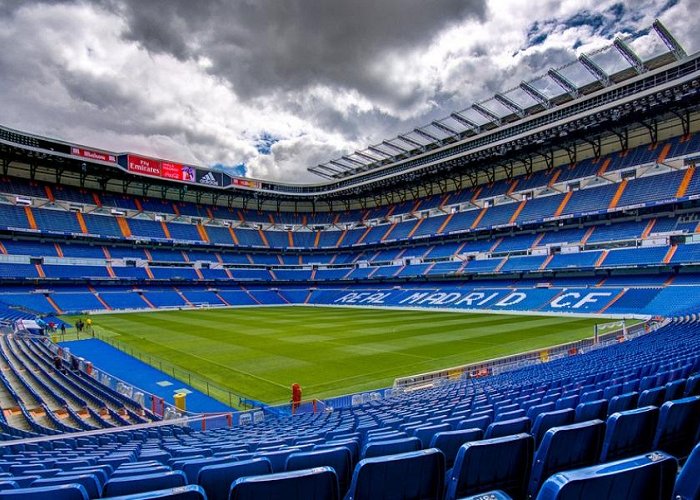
606, 329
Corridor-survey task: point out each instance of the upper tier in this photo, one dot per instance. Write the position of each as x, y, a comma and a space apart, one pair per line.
647, 175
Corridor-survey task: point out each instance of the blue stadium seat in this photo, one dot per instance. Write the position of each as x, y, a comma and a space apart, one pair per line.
278, 458
351, 445
145, 482
648, 476
652, 397
138, 471
8, 484
426, 433
692, 386
319, 483
62, 492
549, 419
339, 459
191, 492
417, 474
22, 469
217, 479
192, 467
567, 402
535, 410
674, 390
592, 410
623, 402
629, 433
25, 481
449, 442
501, 463
688, 482
563, 448
92, 485
508, 427
481, 422
678, 426
594, 395
490, 495
390, 447
100, 474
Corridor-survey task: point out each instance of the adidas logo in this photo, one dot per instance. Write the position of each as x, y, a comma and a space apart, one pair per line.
209, 179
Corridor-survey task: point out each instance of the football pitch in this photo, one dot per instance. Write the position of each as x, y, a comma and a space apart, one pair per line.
259, 352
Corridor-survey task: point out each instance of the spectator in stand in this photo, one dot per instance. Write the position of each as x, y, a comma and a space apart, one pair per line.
57, 363
75, 365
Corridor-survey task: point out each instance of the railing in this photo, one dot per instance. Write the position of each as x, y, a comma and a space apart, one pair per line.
307, 406
196, 423
537, 356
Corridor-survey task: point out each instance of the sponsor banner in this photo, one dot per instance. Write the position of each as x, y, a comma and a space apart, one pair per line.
93, 155
177, 171
188, 173
145, 166
170, 170
245, 183
210, 178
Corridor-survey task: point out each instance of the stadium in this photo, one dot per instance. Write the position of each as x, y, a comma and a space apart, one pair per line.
499, 304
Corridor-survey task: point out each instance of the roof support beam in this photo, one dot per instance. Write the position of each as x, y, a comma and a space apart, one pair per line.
444, 128
670, 41
347, 158
428, 136
391, 145
564, 82
488, 114
594, 69
318, 172
338, 164
630, 56
410, 141
331, 168
325, 168
379, 152
536, 94
466, 121
367, 157
510, 104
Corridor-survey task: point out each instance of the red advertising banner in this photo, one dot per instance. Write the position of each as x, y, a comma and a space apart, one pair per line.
245, 183
170, 170
93, 155
177, 171
144, 166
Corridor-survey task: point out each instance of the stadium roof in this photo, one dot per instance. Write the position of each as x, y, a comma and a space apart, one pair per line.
625, 58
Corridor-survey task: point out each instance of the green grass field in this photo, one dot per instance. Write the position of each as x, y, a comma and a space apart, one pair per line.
260, 352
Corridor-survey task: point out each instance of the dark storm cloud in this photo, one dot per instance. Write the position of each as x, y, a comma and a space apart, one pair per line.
263, 45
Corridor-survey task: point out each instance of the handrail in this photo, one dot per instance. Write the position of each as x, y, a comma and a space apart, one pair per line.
205, 421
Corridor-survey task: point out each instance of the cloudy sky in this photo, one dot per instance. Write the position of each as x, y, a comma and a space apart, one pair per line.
271, 87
